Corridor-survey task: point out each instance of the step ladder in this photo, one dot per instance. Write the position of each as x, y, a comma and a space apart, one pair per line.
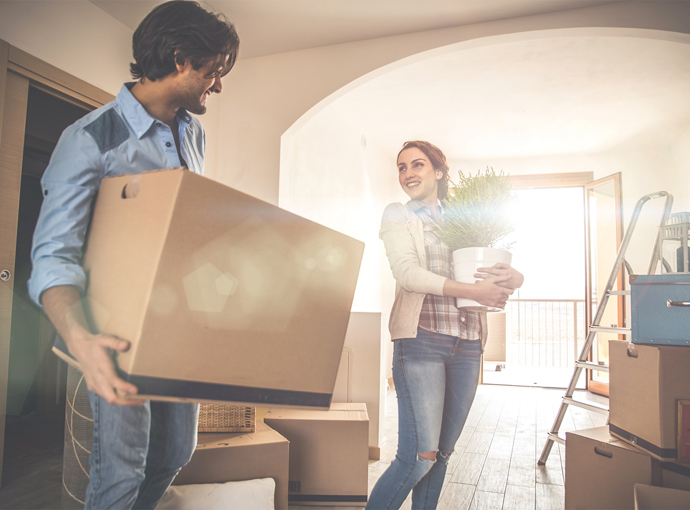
582, 362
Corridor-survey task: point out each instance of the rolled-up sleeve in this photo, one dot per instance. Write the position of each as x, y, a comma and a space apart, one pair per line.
69, 186
402, 254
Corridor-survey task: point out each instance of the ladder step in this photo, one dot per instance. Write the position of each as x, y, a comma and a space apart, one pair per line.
590, 407
619, 292
592, 366
556, 438
605, 329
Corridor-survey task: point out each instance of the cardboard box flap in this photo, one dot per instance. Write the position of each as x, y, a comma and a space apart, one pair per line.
603, 437
337, 412
648, 497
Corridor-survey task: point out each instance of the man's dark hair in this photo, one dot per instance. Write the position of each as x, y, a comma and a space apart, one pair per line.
180, 31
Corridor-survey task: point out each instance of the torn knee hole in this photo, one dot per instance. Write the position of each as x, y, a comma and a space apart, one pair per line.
428, 456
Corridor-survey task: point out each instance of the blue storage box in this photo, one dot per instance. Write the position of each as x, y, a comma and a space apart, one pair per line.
660, 306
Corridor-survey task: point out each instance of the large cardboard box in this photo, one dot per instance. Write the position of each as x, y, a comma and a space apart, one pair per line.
601, 470
329, 454
646, 381
223, 297
232, 457
648, 497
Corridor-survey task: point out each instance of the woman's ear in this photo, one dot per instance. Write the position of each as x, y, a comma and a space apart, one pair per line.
439, 175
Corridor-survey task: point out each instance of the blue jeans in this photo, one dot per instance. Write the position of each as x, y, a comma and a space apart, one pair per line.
435, 379
137, 451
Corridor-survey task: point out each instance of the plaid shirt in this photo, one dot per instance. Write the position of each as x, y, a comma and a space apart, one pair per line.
439, 313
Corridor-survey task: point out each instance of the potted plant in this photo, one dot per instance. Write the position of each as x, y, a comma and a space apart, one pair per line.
476, 220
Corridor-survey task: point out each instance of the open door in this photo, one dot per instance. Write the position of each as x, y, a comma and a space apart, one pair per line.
20, 75
603, 236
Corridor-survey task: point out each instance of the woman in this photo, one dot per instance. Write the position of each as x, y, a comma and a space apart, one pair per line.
437, 347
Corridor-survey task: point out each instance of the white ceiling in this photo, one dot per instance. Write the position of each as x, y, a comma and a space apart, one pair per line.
275, 26
520, 99
563, 95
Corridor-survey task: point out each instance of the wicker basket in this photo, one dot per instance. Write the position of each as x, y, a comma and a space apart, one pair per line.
222, 418
78, 441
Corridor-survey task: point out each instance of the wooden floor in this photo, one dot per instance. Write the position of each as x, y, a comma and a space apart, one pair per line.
495, 461
494, 465
32, 470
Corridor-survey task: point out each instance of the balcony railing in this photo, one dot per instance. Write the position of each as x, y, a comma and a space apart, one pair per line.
545, 333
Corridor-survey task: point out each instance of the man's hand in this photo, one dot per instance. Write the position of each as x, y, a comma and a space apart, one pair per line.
93, 352
512, 278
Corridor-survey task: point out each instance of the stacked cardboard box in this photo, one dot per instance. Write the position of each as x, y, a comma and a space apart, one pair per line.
328, 454
601, 470
646, 385
648, 497
230, 457
649, 408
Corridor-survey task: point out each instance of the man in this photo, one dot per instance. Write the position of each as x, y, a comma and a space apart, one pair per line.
181, 52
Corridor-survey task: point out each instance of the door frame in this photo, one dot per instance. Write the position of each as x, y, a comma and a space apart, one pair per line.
598, 387
19, 70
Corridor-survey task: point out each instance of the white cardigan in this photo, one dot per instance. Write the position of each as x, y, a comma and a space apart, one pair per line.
402, 233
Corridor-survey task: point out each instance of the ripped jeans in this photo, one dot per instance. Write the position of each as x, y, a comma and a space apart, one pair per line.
435, 379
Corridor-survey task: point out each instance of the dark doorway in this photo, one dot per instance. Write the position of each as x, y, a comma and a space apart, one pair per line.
34, 424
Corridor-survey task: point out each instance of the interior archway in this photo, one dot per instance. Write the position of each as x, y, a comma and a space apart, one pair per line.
569, 100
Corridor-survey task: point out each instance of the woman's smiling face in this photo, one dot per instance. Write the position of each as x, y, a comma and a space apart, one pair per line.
417, 176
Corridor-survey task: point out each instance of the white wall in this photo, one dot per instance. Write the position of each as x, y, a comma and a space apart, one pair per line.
81, 39
336, 178
77, 37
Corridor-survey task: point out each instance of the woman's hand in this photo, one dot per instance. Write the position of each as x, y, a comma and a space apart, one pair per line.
491, 291
512, 278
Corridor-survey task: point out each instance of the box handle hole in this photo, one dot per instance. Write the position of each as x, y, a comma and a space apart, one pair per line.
632, 351
131, 189
604, 453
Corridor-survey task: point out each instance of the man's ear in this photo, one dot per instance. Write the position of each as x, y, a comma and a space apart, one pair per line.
180, 66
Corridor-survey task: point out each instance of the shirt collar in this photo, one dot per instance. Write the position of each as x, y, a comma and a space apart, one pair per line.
137, 116
418, 206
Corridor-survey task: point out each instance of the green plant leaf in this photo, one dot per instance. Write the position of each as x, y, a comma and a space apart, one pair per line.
476, 211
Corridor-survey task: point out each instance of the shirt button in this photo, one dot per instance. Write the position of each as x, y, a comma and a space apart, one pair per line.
168, 144
158, 124
462, 319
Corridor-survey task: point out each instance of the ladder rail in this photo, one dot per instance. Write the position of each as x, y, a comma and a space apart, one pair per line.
620, 256
582, 361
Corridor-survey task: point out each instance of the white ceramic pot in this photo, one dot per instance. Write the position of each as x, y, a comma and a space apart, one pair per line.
465, 264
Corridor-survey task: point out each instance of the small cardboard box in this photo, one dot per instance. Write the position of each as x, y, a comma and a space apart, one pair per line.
223, 297
232, 457
601, 470
329, 454
658, 315
648, 497
646, 381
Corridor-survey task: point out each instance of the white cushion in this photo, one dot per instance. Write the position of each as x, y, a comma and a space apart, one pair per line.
247, 495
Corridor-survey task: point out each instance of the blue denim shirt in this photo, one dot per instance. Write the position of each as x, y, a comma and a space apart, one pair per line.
118, 138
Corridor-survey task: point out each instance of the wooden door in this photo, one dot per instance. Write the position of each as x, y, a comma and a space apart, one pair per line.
603, 236
18, 71
11, 150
